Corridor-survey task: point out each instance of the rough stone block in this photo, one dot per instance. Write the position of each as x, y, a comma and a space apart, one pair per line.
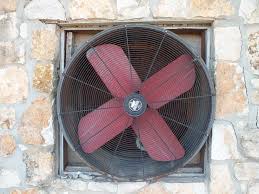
132, 9
92, 9
42, 9
249, 10
11, 52
224, 142
170, 8
254, 189
153, 189
227, 43
39, 166
7, 144
43, 77
221, 180
34, 120
249, 140
230, 90
8, 5
7, 118
44, 44
185, 188
128, 187
8, 30
253, 51
13, 84
105, 187
212, 8
246, 170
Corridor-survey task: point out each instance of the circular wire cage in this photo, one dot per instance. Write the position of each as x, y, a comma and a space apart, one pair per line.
149, 49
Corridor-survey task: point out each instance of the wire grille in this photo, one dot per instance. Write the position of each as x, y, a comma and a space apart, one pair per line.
148, 49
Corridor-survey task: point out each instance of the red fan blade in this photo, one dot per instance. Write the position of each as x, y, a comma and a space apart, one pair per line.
113, 67
157, 138
101, 125
170, 82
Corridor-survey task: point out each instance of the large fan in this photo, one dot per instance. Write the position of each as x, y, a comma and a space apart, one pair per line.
135, 101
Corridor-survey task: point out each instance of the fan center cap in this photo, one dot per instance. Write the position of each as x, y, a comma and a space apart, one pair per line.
135, 104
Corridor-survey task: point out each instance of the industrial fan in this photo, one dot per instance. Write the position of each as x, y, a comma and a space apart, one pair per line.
136, 102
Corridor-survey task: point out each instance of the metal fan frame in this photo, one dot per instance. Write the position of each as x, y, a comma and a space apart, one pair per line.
154, 28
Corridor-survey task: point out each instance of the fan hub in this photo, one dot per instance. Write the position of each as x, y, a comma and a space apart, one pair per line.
135, 104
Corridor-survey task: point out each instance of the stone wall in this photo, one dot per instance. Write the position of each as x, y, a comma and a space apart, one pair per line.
29, 51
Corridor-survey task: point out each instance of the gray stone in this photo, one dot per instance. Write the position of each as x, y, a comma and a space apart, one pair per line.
185, 188
246, 170
102, 186
254, 189
249, 140
227, 43
255, 97
170, 8
92, 9
132, 9
249, 10
221, 180
42, 9
10, 53
9, 178
13, 84
39, 166
8, 30
7, 118
224, 143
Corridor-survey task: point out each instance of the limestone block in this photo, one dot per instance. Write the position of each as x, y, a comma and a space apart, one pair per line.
249, 140
253, 51
227, 43
211, 8
230, 90
43, 77
8, 5
246, 170
254, 189
7, 144
7, 118
184, 188
8, 30
13, 84
170, 8
105, 187
249, 10
92, 9
132, 9
42, 9
224, 142
34, 120
39, 166
44, 44
153, 189
221, 180
10, 53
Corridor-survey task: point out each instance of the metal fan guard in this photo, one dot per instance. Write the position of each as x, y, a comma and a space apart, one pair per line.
190, 116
